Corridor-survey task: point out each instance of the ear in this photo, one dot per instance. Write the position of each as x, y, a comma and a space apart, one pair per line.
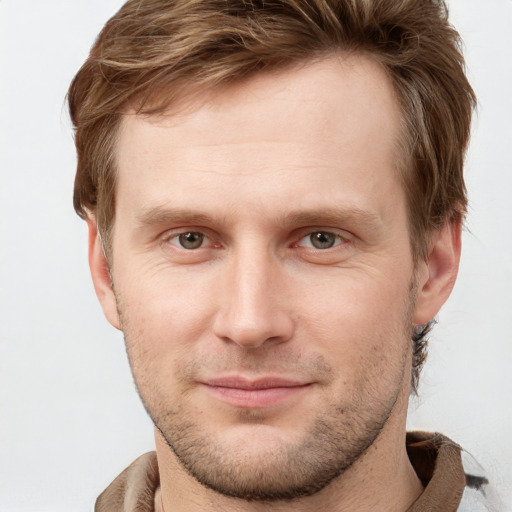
437, 275
101, 275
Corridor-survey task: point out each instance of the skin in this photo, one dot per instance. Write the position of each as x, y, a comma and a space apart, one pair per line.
256, 171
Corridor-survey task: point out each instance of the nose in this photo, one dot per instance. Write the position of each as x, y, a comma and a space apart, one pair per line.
253, 306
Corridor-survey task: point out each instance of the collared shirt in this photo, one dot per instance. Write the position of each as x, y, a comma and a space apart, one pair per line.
438, 462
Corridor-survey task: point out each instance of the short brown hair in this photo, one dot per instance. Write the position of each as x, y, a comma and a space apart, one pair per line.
152, 51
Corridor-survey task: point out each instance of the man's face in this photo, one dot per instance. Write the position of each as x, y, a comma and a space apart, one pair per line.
264, 278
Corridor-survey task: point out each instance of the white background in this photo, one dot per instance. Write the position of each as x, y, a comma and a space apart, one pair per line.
70, 419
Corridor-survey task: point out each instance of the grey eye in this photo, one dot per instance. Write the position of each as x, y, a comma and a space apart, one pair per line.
191, 240
322, 239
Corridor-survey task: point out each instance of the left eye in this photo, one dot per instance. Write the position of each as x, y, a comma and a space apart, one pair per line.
189, 240
320, 240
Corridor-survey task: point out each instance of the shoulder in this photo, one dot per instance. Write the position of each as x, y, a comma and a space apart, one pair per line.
479, 493
133, 489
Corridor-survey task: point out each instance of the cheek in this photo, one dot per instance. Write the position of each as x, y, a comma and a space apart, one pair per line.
362, 323
163, 313
358, 299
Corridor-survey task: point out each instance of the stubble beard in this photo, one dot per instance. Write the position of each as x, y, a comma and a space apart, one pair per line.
338, 437
333, 444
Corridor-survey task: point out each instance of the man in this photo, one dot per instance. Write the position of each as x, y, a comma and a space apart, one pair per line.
274, 197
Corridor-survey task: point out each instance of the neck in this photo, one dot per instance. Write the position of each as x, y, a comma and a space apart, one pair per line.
381, 479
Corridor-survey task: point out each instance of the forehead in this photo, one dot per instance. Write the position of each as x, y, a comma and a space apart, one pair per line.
337, 115
349, 86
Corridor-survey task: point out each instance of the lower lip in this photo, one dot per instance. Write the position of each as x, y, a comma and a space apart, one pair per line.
256, 398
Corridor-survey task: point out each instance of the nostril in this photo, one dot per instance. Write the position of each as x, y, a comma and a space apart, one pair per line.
277, 328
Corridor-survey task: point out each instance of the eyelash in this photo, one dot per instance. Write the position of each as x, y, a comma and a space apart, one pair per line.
338, 240
179, 240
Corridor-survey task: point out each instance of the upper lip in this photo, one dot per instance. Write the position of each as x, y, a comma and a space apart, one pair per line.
237, 382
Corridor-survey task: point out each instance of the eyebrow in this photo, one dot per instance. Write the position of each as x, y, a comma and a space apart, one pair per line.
161, 215
165, 215
351, 215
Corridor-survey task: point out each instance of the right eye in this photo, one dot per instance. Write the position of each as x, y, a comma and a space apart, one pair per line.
189, 240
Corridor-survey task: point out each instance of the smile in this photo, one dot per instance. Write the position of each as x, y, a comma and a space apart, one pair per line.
255, 394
